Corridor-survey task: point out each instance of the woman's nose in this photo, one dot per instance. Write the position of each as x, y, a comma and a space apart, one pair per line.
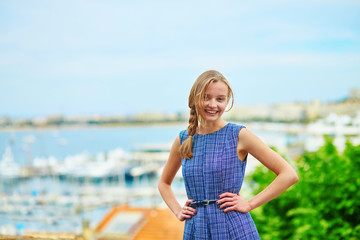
212, 103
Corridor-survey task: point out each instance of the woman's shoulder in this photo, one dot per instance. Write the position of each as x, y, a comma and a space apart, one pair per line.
183, 132
232, 131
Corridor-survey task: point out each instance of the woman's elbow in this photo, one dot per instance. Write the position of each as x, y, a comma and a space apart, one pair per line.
294, 178
290, 176
161, 185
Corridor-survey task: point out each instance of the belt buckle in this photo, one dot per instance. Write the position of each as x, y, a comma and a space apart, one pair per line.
206, 202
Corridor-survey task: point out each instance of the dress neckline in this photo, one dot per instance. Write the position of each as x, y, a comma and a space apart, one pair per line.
214, 131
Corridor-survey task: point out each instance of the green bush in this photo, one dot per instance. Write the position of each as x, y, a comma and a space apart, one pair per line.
324, 204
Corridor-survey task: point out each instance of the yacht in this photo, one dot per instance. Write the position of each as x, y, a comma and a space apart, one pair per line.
8, 167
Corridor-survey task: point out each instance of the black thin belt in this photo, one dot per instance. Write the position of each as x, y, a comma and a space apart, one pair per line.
202, 203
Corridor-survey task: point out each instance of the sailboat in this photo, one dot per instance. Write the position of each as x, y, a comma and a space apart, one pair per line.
8, 167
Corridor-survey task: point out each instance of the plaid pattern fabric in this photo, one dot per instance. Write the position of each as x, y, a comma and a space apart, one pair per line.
215, 169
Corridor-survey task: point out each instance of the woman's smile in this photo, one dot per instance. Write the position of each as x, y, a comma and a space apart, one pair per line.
211, 111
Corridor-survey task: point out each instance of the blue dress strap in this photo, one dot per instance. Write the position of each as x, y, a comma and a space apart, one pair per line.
183, 136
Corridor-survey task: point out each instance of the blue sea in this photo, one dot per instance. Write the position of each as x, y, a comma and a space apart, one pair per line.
60, 143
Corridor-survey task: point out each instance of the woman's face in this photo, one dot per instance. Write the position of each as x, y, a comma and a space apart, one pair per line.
215, 102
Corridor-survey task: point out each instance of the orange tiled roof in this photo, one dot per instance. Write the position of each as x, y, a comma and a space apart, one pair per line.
156, 224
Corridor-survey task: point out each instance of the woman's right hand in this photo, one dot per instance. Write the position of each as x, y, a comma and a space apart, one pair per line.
186, 212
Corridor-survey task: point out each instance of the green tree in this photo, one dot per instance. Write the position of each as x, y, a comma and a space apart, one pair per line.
324, 204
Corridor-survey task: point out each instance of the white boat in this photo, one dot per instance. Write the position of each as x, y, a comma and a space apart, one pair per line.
149, 159
85, 165
8, 167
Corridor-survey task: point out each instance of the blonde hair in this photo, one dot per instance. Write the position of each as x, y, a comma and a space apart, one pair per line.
196, 99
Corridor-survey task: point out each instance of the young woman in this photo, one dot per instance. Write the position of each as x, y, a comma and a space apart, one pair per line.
213, 156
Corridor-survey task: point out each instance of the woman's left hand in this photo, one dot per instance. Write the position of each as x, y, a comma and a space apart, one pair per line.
233, 202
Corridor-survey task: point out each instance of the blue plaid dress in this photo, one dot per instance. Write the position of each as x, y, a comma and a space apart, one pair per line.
215, 169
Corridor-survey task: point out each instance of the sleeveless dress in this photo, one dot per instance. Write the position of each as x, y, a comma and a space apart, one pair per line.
215, 169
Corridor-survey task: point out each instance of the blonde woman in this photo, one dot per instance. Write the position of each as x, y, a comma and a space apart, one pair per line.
213, 156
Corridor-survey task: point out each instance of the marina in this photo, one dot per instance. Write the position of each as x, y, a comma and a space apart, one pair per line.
58, 194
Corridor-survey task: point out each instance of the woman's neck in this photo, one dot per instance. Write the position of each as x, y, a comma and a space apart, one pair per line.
209, 127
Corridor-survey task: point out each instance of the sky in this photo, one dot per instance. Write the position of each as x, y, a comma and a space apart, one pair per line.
127, 57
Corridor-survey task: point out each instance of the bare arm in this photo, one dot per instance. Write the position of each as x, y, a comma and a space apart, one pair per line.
171, 167
286, 175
